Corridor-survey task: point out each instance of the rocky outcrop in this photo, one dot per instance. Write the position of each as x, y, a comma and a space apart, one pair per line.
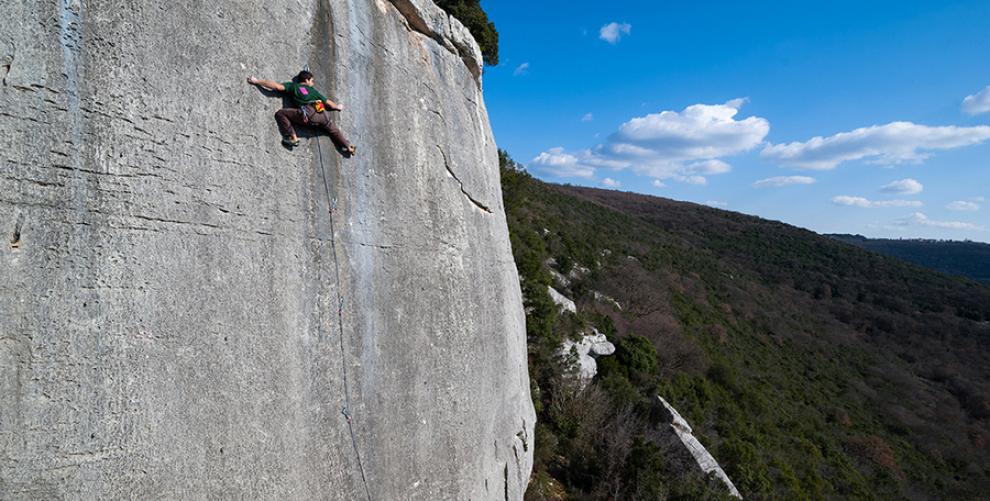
586, 350
563, 302
702, 457
606, 299
559, 279
181, 318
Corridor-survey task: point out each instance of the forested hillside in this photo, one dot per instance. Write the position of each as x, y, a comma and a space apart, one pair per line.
968, 259
809, 368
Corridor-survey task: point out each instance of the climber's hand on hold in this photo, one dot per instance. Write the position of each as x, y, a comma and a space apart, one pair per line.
333, 106
252, 80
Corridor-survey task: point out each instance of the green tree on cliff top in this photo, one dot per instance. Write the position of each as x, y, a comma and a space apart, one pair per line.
471, 15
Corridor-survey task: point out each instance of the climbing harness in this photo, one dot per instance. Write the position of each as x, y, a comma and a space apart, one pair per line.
318, 109
332, 205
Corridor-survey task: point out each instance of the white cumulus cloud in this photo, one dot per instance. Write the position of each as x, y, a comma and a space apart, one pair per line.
873, 204
963, 205
920, 219
700, 131
658, 183
558, 163
977, 103
521, 69
903, 187
894, 143
587, 117
716, 204
611, 183
612, 32
781, 181
684, 145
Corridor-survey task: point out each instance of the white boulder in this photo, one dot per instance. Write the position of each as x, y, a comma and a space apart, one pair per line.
701, 455
562, 301
589, 347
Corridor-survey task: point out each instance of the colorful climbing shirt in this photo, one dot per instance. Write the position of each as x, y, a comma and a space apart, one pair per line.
302, 94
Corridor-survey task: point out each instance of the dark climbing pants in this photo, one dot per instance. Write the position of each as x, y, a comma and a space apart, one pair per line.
287, 117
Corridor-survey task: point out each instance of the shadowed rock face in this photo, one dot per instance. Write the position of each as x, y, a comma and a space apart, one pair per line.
168, 288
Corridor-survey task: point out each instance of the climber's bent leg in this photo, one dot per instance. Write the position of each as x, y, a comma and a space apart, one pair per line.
322, 120
336, 136
285, 117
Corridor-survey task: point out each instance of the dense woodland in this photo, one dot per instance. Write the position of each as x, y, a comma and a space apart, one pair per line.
811, 369
968, 259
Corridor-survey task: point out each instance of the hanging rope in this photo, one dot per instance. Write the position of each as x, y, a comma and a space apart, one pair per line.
332, 206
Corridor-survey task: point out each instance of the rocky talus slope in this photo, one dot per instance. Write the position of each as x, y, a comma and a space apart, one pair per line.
169, 285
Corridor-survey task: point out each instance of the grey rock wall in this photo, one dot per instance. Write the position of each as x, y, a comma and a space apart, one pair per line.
168, 293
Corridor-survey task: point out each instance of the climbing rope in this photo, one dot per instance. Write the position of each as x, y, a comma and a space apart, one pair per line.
332, 206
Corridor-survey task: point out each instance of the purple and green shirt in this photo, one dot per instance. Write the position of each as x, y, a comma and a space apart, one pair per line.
303, 94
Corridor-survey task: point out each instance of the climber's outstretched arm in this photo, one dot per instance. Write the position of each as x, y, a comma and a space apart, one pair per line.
332, 105
267, 84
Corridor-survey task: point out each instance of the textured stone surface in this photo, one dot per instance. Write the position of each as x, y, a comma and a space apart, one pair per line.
168, 299
589, 347
701, 456
562, 301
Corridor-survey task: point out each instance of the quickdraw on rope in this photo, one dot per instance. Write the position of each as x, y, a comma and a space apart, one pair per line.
332, 205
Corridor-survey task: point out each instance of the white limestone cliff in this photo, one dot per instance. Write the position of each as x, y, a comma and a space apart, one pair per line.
170, 278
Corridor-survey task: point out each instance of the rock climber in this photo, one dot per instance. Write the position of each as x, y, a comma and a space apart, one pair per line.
311, 110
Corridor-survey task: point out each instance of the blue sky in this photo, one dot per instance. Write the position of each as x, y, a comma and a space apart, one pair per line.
835, 116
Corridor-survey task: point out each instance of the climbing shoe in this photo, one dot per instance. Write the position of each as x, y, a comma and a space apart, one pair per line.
350, 151
289, 142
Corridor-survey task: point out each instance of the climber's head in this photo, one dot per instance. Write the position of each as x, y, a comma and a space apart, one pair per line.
304, 77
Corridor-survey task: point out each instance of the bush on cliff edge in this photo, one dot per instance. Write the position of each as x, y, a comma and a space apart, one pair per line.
472, 16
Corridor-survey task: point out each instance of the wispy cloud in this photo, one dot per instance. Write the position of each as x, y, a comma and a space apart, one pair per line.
587, 117
977, 103
685, 146
889, 144
919, 219
903, 187
716, 204
964, 206
611, 183
521, 69
781, 181
612, 32
873, 204
658, 184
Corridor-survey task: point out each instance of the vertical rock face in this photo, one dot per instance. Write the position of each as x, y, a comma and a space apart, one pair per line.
170, 278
